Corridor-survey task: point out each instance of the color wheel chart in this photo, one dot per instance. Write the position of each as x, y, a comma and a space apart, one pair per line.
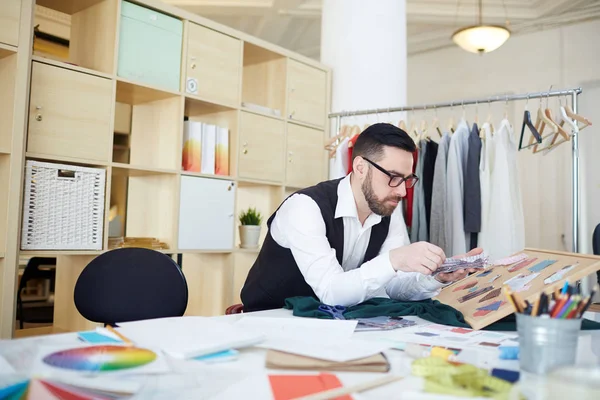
100, 358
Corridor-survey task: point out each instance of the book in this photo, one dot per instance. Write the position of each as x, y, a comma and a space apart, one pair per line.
222, 151
281, 360
209, 139
192, 146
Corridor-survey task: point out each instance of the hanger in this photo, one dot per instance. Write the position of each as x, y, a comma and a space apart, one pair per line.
541, 122
402, 125
489, 121
436, 123
355, 130
586, 122
451, 121
527, 123
333, 143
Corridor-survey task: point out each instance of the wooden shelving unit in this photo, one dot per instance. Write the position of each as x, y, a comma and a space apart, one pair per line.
84, 111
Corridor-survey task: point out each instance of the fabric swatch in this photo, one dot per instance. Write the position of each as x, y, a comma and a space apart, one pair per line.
465, 286
558, 275
486, 273
521, 264
493, 278
540, 266
474, 294
426, 334
488, 344
461, 330
510, 260
485, 310
490, 295
474, 288
520, 282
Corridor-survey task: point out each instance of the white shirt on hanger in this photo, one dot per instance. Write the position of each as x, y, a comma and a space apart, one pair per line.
506, 221
486, 162
299, 226
457, 161
340, 163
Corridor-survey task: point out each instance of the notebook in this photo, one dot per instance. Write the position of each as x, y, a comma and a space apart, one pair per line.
286, 387
188, 337
280, 360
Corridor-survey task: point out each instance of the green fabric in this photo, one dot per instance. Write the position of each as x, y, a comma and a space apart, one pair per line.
430, 310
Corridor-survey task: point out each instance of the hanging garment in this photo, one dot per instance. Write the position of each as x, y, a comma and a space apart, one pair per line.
350, 147
418, 230
506, 221
410, 192
437, 227
457, 163
472, 196
428, 169
340, 163
486, 163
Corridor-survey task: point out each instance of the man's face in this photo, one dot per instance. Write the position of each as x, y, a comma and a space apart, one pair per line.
381, 198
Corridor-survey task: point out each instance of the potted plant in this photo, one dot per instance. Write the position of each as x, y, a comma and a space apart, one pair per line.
250, 221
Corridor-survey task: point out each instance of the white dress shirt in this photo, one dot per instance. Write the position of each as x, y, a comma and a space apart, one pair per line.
457, 161
299, 226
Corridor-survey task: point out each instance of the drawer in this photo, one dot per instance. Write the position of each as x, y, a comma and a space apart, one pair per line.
305, 164
213, 65
307, 93
261, 148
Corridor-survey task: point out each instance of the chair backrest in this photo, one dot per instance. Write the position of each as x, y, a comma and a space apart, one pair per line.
131, 284
596, 240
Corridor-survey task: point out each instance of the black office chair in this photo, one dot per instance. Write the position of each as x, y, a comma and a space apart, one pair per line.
596, 245
131, 284
43, 312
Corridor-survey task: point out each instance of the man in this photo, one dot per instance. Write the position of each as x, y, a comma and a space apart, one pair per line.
344, 241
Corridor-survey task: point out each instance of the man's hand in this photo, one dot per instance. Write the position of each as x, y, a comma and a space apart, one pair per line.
420, 257
461, 273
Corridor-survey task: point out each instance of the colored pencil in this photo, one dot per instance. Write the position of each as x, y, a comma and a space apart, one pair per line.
122, 337
509, 298
536, 306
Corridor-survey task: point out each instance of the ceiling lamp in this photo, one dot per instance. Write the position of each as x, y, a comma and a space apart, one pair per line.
481, 38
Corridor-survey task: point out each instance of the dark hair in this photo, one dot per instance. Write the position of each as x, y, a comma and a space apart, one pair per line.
371, 141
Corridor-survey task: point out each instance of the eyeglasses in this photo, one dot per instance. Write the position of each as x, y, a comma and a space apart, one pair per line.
396, 180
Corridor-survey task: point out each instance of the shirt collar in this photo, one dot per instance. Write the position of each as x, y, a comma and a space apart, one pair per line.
346, 205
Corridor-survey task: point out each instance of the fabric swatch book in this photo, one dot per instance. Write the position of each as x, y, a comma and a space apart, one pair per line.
280, 360
188, 337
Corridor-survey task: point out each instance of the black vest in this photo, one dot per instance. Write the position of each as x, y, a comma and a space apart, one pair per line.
275, 275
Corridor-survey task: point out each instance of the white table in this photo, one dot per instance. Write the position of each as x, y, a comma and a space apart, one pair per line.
247, 377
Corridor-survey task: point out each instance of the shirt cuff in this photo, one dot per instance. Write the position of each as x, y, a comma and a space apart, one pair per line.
431, 284
377, 272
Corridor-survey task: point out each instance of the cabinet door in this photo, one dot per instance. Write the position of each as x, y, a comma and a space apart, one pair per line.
307, 93
10, 12
261, 148
214, 63
69, 113
305, 156
206, 214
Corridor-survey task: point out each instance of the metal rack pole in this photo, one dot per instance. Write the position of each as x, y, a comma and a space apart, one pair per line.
575, 180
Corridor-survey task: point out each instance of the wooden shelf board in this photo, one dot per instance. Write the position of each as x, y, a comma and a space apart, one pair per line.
198, 105
136, 170
5, 152
52, 253
305, 124
263, 114
63, 159
38, 331
120, 147
207, 251
72, 67
67, 6
257, 182
2, 254
7, 50
211, 176
133, 93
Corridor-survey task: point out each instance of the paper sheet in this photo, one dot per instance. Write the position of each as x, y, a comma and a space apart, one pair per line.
323, 339
5, 367
187, 337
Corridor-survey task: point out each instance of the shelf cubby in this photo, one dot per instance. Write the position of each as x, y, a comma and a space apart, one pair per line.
208, 278
220, 116
8, 70
92, 36
263, 80
7, 50
156, 125
146, 202
265, 198
4, 190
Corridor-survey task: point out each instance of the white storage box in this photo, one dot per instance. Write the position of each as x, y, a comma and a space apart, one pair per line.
63, 207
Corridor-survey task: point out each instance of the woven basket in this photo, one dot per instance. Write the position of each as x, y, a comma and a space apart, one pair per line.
63, 207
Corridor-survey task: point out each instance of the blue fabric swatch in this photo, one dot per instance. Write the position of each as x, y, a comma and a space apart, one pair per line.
541, 265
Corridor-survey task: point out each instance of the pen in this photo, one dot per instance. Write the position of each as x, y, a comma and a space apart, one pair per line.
122, 337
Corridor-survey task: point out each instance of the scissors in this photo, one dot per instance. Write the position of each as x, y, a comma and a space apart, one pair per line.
337, 312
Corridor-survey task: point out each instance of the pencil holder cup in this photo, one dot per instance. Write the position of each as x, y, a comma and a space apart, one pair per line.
546, 343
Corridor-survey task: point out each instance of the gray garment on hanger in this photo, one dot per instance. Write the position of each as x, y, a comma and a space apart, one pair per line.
418, 231
437, 228
472, 199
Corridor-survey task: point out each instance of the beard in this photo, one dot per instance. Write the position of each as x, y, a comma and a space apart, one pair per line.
377, 206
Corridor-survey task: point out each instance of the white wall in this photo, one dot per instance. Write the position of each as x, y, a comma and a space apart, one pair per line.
563, 57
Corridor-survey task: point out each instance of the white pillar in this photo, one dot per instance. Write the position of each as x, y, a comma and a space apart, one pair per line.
364, 42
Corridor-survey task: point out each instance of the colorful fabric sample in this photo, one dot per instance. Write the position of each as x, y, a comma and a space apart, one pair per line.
540, 266
521, 264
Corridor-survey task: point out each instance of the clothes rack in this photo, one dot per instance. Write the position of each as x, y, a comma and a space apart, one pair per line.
573, 92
